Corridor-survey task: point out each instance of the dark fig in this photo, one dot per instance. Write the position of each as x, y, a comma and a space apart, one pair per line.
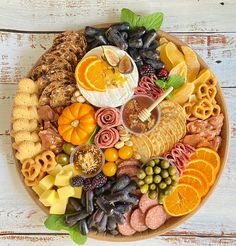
90, 222
132, 186
83, 227
114, 232
125, 66
93, 44
90, 39
135, 43
149, 37
101, 226
115, 37
89, 201
121, 183
132, 199
75, 203
125, 35
123, 26
92, 31
134, 54
124, 208
116, 197
111, 223
157, 64
119, 217
154, 45
72, 219
111, 57
83, 199
105, 205
97, 216
139, 63
138, 33
103, 189
149, 54
101, 38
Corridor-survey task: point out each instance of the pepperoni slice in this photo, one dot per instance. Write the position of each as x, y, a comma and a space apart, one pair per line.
137, 220
146, 203
155, 217
126, 228
106, 138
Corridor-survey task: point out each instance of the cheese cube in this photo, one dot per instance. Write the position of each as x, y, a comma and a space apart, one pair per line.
55, 170
65, 192
37, 189
47, 182
63, 178
77, 192
59, 207
71, 167
49, 198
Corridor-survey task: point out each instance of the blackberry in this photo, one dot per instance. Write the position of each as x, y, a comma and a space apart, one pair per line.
146, 70
88, 184
76, 181
162, 74
99, 180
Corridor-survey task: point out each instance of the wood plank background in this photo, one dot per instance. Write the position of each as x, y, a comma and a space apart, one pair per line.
27, 28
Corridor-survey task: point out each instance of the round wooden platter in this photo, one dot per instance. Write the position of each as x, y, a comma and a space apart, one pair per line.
172, 222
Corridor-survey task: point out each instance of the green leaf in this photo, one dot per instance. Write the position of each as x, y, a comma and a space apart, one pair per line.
55, 222
76, 235
91, 138
161, 83
152, 21
175, 81
129, 16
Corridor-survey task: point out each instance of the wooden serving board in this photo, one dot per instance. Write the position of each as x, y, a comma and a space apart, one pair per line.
173, 222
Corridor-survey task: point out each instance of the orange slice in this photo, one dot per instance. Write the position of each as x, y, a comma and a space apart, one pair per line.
194, 181
95, 75
199, 175
205, 167
183, 200
80, 71
174, 55
208, 155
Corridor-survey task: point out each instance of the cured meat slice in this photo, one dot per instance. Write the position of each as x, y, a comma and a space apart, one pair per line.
126, 229
137, 220
155, 217
46, 113
130, 162
131, 171
106, 138
108, 117
146, 203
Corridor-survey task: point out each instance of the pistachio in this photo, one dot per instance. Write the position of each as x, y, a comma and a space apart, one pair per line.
80, 99
119, 144
128, 143
125, 138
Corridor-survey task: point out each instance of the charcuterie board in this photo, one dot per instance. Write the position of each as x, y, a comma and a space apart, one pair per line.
80, 133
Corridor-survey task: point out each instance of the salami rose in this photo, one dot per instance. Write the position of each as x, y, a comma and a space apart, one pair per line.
108, 117
106, 138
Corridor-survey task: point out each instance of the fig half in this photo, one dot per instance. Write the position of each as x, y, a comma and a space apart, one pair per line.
125, 66
111, 57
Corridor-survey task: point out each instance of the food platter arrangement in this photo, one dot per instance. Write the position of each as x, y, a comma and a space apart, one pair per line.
119, 131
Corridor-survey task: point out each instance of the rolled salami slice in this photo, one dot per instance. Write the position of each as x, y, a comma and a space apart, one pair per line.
106, 138
126, 229
108, 117
155, 217
137, 220
146, 203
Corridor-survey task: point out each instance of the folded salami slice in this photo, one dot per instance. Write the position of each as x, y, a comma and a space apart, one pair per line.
106, 138
108, 117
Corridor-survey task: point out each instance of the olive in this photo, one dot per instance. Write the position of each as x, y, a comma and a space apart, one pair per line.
123, 26
157, 64
68, 148
167, 192
141, 174
152, 194
63, 159
157, 179
164, 174
157, 170
92, 31
150, 54
168, 180
174, 177
173, 183
149, 37
149, 170
165, 164
148, 179
138, 33
161, 198
152, 186
157, 161
135, 43
152, 163
140, 182
172, 170
125, 35
162, 185
144, 189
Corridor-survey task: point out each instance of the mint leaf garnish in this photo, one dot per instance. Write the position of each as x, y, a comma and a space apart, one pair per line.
175, 81
129, 16
76, 235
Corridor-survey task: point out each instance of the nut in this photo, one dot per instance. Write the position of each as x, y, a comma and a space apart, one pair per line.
77, 93
119, 128
80, 99
129, 143
119, 144
137, 156
125, 138
73, 99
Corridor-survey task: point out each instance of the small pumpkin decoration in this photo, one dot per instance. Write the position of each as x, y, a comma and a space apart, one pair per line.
76, 123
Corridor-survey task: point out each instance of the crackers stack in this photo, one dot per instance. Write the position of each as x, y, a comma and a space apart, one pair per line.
25, 121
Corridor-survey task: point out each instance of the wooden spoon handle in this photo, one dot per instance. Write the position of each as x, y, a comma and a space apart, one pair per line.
160, 99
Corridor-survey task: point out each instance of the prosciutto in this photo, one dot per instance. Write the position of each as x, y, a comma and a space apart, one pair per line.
106, 138
148, 87
180, 155
108, 117
46, 113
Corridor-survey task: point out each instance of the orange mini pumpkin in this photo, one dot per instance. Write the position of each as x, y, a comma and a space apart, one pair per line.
76, 123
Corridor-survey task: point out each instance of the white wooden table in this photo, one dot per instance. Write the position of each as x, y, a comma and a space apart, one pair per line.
26, 30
